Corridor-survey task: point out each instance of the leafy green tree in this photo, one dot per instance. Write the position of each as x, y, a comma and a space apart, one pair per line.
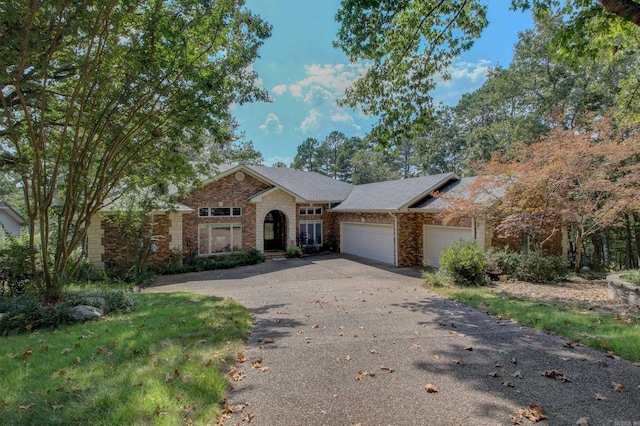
369, 166
409, 43
103, 95
242, 152
307, 157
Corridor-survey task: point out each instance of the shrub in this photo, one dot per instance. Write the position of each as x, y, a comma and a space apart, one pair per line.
294, 251
16, 266
198, 264
632, 277
536, 266
29, 312
465, 263
436, 279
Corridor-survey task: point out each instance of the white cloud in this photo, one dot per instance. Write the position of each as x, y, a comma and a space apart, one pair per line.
311, 121
471, 72
272, 124
279, 89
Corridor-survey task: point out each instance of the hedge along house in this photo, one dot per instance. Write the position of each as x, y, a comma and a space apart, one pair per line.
268, 208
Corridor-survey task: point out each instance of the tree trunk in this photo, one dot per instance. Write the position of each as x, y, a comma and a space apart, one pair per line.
628, 242
606, 252
636, 220
626, 9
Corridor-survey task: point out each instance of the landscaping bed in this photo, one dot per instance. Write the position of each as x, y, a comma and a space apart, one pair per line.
589, 294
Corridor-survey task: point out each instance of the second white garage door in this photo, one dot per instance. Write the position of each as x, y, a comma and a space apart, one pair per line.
371, 241
438, 238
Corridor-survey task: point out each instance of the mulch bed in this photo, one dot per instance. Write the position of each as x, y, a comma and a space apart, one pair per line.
591, 295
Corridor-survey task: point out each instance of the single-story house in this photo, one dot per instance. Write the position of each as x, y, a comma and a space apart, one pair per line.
11, 221
272, 209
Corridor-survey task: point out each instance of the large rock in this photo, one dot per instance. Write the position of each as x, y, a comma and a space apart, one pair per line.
81, 313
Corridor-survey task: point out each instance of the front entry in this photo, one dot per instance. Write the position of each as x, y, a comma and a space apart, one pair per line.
275, 231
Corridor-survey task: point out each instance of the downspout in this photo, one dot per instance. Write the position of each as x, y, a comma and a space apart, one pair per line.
395, 237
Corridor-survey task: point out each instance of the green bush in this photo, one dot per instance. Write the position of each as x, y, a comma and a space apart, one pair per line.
436, 279
632, 277
16, 266
198, 264
537, 267
294, 251
465, 263
28, 312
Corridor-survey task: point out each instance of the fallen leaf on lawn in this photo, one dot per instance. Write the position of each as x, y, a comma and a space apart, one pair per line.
556, 374
600, 397
431, 389
27, 352
206, 364
57, 406
26, 407
389, 369
11, 355
618, 387
257, 363
241, 357
62, 373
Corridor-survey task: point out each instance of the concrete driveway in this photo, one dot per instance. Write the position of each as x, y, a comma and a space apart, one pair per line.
342, 342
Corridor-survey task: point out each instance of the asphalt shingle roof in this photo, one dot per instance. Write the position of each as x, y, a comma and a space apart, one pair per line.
307, 185
460, 189
392, 195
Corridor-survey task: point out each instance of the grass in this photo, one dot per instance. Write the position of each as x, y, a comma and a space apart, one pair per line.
605, 332
165, 363
632, 277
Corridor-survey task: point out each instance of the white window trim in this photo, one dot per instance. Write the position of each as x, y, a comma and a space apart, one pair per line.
223, 207
304, 210
314, 223
211, 226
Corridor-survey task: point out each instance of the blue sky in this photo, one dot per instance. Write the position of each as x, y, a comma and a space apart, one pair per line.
305, 75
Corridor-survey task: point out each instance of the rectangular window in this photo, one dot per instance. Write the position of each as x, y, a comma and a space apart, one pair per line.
312, 231
219, 238
220, 211
312, 210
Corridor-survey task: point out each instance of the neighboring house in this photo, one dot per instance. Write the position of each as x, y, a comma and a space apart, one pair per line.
12, 222
271, 208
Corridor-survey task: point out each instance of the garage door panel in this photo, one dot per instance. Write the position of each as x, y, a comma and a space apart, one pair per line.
438, 238
375, 242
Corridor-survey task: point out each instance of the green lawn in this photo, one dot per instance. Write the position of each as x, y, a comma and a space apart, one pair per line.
165, 363
607, 332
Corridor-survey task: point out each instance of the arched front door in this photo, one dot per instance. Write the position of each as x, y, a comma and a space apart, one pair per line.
275, 230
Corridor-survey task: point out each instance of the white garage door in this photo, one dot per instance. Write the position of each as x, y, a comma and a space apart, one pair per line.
438, 238
371, 241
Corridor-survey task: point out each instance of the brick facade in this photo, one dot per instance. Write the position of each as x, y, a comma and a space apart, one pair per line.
178, 232
226, 192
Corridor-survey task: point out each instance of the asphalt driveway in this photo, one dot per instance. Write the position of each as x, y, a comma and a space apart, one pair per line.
341, 342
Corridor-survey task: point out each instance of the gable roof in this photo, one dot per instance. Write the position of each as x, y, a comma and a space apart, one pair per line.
14, 215
392, 195
304, 186
459, 189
